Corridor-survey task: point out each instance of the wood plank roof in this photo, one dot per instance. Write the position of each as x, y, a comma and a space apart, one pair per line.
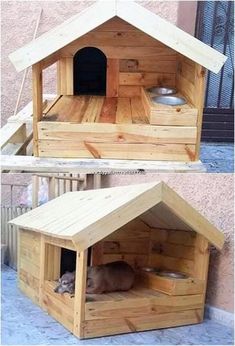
136, 15
87, 217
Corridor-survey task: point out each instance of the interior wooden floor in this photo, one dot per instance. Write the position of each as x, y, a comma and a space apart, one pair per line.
135, 293
96, 109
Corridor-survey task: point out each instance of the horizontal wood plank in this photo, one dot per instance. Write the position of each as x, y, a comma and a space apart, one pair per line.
101, 327
98, 150
116, 133
146, 78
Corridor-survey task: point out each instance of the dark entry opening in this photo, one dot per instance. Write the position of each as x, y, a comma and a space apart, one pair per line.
89, 72
68, 260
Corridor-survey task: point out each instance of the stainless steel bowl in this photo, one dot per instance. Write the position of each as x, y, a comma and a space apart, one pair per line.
149, 269
169, 100
162, 90
172, 275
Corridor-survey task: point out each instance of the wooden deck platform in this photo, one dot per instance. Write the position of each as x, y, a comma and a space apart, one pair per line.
13, 159
96, 109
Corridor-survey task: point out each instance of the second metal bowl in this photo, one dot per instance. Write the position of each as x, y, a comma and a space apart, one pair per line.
172, 275
169, 100
162, 90
149, 269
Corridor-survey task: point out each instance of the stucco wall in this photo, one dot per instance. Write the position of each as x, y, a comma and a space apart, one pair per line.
212, 195
18, 24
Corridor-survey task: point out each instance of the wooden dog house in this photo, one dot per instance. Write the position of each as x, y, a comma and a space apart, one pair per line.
145, 225
107, 56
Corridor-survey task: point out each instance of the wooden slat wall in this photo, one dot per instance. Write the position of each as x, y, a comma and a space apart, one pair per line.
130, 243
9, 235
185, 79
133, 56
29, 264
65, 76
173, 250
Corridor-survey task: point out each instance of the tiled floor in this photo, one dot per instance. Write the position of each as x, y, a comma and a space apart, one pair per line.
23, 323
218, 158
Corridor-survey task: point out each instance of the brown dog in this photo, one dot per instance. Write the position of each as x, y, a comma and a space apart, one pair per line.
110, 277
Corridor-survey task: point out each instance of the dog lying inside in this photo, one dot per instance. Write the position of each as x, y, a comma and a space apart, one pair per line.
110, 277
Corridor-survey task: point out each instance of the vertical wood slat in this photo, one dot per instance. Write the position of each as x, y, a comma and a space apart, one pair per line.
65, 76
9, 233
35, 190
201, 263
80, 293
112, 78
200, 77
37, 102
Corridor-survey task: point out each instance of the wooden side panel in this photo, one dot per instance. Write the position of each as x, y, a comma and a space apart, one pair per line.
185, 78
28, 264
170, 286
201, 264
65, 76
124, 141
173, 250
101, 327
59, 306
80, 293
200, 78
145, 304
130, 243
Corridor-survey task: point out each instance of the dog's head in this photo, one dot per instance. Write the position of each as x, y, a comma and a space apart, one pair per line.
66, 283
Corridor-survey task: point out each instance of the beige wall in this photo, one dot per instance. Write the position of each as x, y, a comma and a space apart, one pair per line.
212, 195
18, 23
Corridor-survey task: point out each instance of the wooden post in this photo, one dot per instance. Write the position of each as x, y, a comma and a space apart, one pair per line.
97, 181
80, 294
112, 78
42, 269
201, 264
51, 192
199, 97
37, 103
35, 188
65, 76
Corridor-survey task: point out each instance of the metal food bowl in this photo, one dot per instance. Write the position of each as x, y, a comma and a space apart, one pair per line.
162, 90
169, 100
149, 269
172, 275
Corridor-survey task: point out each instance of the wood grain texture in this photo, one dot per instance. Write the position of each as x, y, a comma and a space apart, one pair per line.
37, 102
112, 80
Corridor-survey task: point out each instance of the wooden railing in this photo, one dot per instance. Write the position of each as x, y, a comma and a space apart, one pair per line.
57, 185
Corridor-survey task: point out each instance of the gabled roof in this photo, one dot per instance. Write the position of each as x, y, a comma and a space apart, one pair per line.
87, 217
129, 11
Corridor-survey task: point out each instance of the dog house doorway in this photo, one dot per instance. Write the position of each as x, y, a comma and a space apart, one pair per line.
90, 66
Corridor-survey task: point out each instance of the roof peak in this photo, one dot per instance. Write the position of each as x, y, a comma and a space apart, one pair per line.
131, 12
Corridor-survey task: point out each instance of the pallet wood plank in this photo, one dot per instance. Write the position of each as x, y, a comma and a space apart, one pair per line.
146, 78
63, 165
112, 77
108, 111
110, 150
117, 133
138, 112
93, 110
123, 114
102, 327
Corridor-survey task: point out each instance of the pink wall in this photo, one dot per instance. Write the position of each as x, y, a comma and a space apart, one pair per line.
212, 195
18, 23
